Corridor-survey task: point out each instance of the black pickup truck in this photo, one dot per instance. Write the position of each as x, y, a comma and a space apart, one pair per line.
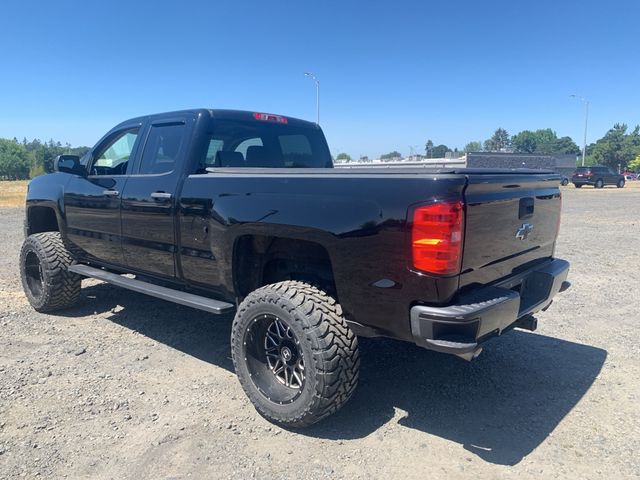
240, 211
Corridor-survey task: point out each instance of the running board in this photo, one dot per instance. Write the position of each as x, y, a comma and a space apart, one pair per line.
175, 296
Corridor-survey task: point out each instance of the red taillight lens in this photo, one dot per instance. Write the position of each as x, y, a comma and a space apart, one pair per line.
436, 238
268, 117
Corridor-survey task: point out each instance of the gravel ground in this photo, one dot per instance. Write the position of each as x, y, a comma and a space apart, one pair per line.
126, 386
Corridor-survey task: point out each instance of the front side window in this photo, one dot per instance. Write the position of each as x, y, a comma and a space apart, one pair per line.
162, 149
113, 158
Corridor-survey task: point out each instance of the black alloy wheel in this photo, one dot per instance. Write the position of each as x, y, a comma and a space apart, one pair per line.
295, 356
47, 283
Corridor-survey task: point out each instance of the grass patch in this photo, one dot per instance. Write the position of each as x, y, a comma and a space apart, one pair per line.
12, 194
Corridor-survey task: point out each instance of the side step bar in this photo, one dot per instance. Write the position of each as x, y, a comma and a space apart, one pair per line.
175, 296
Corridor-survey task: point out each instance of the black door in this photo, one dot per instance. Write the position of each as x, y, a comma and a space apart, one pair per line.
149, 203
92, 203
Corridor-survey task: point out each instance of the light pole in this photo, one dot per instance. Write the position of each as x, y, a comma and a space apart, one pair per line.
313, 77
586, 122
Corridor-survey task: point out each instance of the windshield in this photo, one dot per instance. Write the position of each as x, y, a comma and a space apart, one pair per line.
255, 143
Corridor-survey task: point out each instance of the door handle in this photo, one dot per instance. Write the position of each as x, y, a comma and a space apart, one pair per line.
111, 193
161, 195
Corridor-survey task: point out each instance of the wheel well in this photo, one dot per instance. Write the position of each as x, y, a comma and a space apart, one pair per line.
41, 219
259, 260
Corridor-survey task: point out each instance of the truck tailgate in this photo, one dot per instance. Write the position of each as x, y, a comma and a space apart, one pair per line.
512, 222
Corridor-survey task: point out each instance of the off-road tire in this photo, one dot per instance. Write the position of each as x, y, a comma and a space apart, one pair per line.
329, 348
57, 288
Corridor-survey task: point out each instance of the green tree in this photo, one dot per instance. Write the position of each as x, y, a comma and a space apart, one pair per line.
473, 147
615, 148
42, 154
543, 141
566, 145
14, 160
391, 155
631, 145
635, 164
439, 151
525, 142
499, 141
428, 147
344, 157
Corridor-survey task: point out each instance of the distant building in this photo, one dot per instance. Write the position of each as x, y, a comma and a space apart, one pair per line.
560, 162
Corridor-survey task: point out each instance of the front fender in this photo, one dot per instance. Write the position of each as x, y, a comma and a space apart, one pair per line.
48, 191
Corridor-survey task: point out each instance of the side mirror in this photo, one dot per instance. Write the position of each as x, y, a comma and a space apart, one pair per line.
69, 164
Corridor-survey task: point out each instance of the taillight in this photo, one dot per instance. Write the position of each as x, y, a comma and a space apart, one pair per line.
436, 237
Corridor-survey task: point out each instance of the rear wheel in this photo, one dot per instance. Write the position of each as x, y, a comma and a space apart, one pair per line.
46, 281
599, 183
620, 183
564, 182
578, 185
295, 356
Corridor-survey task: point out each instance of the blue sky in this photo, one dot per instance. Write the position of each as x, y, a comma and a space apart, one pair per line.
393, 74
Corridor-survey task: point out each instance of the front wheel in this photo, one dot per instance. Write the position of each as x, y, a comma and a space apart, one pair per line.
46, 281
295, 356
564, 182
620, 183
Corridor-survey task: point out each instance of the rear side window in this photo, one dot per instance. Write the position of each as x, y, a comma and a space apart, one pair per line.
162, 149
261, 144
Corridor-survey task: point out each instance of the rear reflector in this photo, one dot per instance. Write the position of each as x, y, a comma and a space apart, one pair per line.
268, 117
436, 238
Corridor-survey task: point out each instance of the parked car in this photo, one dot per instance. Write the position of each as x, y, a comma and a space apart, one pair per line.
598, 176
630, 175
230, 211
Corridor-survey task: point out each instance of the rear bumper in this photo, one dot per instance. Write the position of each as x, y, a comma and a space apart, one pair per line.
489, 311
582, 181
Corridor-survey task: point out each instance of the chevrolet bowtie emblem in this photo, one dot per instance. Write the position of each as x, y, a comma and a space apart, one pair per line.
524, 231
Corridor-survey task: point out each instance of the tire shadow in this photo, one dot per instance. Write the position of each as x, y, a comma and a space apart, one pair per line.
202, 335
500, 407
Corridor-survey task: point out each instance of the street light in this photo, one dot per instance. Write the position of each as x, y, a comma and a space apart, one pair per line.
586, 121
313, 77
